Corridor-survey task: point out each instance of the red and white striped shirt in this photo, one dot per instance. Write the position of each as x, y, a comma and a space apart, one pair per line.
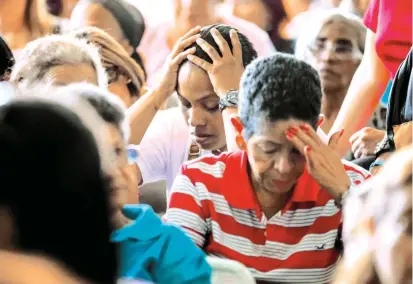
212, 199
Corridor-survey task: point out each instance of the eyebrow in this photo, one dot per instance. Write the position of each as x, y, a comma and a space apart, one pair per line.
207, 97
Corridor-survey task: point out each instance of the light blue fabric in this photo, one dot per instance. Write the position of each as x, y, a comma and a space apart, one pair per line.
155, 251
385, 98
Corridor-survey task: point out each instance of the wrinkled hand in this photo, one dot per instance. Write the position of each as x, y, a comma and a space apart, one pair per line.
225, 72
363, 142
323, 163
170, 69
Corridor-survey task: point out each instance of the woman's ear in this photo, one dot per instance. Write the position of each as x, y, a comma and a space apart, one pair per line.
239, 128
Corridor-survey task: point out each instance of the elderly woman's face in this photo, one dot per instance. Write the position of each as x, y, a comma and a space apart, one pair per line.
275, 163
124, 188
67, 74
335, 55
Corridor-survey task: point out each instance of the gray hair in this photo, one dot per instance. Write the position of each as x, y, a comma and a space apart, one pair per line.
109, 107
44, 53
321, 19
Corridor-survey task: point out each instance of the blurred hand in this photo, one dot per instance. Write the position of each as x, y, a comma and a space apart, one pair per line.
363, 142
225, 72
167, 84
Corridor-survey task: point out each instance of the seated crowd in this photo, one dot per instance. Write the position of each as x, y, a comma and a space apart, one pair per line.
184, 148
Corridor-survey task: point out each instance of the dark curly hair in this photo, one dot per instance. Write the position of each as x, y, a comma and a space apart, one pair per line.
279, 87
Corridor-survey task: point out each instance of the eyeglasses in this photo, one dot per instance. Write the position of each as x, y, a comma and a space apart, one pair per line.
114, 74
132, 153
339, 50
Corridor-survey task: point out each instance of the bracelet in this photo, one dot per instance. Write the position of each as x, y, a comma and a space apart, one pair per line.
376, 163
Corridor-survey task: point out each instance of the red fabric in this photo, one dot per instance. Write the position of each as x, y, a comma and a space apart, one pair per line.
214, 202
391, 21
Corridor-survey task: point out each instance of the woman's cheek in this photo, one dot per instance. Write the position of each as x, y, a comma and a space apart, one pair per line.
260, 165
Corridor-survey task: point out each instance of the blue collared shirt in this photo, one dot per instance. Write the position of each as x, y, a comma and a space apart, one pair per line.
155, 251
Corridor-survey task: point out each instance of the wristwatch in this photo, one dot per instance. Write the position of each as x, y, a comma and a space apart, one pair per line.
383, 147
229, 100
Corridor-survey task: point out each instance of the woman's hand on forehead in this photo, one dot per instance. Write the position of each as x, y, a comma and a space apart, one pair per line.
322, 162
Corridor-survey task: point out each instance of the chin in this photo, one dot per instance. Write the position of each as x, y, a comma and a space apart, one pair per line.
278, 189
210, 146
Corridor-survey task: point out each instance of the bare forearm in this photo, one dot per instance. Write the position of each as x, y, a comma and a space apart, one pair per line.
358, 106
141, 114
366, 88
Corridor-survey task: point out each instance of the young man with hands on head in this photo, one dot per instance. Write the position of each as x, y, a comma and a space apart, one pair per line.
204, 68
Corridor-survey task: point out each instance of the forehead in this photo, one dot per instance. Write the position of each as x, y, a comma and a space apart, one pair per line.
96, 15
69, 73
269, 130
338, 28
114, 134
194, 83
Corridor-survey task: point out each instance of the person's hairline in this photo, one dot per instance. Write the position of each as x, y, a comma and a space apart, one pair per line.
87, 51
328, 17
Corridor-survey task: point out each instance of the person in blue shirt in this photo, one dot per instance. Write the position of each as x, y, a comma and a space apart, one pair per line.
155, 251
148, 248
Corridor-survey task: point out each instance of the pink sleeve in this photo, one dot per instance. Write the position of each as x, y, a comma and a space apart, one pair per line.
371, 16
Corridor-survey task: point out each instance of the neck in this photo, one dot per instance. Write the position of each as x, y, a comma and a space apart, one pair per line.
219, 151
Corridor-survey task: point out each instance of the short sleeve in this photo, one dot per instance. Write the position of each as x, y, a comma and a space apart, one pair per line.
154, 149
371, 16
185, 207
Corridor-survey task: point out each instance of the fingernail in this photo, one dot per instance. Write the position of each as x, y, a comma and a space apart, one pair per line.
304, 127
290, 135
308, 149
189, 56
320, 121
199, 40
293, 130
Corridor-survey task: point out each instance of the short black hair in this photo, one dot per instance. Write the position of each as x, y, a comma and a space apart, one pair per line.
53, 186
7, 58
279, 87
248, 51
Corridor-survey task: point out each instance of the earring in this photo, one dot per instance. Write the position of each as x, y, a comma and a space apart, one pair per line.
241, 142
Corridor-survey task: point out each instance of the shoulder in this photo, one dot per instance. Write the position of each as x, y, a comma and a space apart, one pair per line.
210, 170
356, 173
211, 165
170, 118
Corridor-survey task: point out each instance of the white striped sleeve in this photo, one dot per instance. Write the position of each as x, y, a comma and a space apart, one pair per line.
185, 208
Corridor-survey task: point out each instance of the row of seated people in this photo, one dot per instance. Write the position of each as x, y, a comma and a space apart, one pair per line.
273, 145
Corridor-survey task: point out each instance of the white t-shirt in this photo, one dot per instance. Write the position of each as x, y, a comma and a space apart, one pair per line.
165, 147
